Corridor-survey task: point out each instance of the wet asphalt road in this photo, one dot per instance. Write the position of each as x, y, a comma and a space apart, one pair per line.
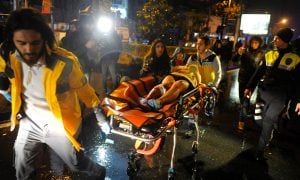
222, 154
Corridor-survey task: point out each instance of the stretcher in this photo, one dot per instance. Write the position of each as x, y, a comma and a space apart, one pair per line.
129, 119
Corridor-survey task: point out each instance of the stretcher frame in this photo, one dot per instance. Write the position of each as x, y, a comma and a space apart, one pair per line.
188, 106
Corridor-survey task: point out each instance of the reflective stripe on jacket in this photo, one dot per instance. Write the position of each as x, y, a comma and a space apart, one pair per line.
64, 84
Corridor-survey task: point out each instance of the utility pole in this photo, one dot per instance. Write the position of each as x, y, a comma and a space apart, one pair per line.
237, 27
15, 4
26, 4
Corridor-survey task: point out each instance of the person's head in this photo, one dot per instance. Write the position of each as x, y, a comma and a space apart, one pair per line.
28, 32
283, 37
203, 43
178, 54
255, 42
86, 23
73, 25
158, 48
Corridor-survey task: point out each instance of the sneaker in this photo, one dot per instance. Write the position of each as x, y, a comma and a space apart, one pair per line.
268, 150
143, 101
153, 103
144, 104
170, 130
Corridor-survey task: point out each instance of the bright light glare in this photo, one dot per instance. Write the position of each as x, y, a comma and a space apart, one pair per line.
284, 21
255, 23
104, 24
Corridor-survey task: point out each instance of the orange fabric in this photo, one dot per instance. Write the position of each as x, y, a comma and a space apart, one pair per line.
123, 102
126, 96
152, 150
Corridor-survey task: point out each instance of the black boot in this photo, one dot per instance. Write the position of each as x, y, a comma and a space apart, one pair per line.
259, 155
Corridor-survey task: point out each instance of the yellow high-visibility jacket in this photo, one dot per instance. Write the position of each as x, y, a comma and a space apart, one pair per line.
64, 84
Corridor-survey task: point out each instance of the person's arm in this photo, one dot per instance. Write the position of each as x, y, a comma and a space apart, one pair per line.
218, 71
297, 91
240, 52
255, 78
195, 70
87, 94
145, 67
4, 87
4, 81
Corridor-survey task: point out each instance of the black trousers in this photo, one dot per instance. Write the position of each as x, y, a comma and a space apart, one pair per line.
274, 102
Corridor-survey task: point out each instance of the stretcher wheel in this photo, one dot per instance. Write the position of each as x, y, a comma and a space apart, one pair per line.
171, 174
148, 148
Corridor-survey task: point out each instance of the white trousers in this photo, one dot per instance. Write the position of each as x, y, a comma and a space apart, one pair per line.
30, 145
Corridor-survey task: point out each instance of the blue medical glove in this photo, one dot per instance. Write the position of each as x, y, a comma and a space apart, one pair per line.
6, 95
101, 121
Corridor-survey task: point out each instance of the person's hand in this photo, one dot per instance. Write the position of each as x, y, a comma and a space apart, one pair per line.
247, 93
101, 121
297, 109
105, 127
241, 50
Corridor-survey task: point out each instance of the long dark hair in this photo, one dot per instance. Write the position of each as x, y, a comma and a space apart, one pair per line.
152, 53
30, 19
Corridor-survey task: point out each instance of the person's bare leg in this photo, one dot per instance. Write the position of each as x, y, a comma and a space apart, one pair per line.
156, 92
175, 90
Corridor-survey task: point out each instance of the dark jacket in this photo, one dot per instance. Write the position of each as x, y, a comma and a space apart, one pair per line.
249, 62
156, 66
75, 42
280, 70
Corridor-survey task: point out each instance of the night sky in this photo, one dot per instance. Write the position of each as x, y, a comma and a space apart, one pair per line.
278, 9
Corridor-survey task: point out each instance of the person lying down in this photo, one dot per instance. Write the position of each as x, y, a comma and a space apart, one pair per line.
181, 79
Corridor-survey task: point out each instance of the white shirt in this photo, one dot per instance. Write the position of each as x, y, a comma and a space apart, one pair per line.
33, 94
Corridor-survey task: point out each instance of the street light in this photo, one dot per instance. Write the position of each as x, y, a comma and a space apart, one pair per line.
284, 21
281, 23
105, 24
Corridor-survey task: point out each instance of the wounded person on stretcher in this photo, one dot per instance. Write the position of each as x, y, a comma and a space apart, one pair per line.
181, 79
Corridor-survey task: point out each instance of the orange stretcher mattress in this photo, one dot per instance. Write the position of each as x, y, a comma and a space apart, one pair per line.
124, 102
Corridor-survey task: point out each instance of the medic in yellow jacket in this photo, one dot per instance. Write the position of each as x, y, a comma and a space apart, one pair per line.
64, 84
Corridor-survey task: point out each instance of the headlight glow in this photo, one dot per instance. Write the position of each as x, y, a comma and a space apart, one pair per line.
104, 24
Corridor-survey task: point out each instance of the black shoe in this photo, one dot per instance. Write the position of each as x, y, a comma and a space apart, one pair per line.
268, 150
259, 156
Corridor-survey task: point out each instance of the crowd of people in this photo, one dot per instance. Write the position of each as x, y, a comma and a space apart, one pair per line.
32, 59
